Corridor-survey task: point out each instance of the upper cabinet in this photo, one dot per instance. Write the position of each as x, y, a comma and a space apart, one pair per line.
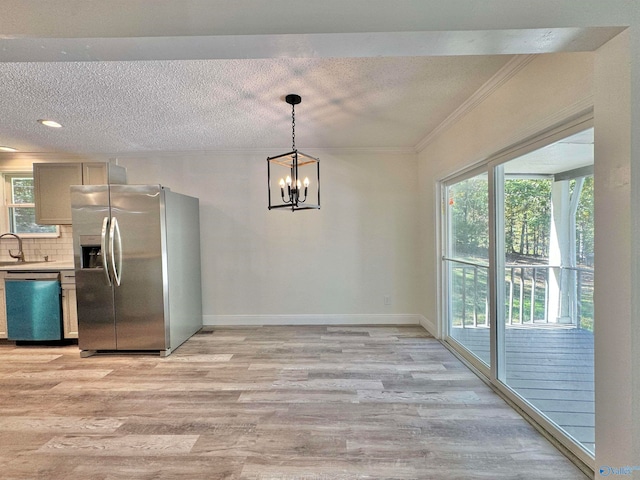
98, 173
52, 182
51, 194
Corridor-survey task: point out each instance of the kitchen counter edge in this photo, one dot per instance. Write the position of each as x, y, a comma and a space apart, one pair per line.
38, 266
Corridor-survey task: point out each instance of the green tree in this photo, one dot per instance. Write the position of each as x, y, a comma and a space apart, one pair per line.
527, 211
22, 190
469, 203
584, 224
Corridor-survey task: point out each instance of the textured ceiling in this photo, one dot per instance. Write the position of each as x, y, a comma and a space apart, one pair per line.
203, 75
203, 105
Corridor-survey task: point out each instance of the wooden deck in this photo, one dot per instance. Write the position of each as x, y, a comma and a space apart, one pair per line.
552, 368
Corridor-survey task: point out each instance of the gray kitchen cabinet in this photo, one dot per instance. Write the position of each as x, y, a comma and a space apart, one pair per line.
69, 306
51, 191
52, 182
3, 309
101, 173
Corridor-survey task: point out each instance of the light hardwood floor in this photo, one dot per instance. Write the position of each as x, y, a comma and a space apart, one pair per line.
264, 403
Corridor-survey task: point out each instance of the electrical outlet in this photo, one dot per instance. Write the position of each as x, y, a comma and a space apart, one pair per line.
387, 299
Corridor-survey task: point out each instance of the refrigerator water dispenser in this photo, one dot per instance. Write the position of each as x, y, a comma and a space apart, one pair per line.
91, 252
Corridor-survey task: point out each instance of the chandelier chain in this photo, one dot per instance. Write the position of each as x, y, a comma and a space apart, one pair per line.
293, 127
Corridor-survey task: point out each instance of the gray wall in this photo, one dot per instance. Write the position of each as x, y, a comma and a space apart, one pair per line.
332, 265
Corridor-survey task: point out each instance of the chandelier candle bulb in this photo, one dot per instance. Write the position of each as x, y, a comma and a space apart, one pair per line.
306, 186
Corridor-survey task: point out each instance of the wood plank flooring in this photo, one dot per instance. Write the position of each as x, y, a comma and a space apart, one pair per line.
316, 402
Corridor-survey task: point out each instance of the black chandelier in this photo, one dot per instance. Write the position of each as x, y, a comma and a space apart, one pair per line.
298, 173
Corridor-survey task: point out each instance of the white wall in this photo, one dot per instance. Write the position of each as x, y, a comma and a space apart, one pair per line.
615, 320
331, 265
632, 362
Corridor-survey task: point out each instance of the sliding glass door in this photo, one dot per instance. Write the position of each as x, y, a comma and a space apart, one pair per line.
466, 264
537, 322
547, 280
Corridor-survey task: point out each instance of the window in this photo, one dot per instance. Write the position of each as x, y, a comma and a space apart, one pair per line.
20, 210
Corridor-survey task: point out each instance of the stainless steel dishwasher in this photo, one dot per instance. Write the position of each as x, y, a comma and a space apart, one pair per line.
34, 311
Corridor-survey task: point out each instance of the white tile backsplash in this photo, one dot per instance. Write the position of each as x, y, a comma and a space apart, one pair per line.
59, 249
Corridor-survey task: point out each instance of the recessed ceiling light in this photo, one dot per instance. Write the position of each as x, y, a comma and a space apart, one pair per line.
50, 123
7, 149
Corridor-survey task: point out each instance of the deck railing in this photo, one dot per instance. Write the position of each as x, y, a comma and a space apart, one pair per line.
527, 294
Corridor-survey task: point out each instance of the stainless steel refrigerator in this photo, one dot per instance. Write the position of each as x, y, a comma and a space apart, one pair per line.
137, 262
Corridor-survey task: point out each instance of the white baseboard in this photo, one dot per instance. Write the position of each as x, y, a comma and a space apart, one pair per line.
333, 319
429, 325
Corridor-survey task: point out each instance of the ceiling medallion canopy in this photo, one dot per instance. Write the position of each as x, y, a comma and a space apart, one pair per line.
296, 175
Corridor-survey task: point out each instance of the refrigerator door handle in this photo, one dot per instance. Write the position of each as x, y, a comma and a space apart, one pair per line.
103, 246
115, 253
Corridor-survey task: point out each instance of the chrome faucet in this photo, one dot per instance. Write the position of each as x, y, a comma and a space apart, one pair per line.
20, 255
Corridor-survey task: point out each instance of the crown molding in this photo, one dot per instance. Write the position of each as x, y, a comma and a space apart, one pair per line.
364, 150
511, 68
24, 157
265, 152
